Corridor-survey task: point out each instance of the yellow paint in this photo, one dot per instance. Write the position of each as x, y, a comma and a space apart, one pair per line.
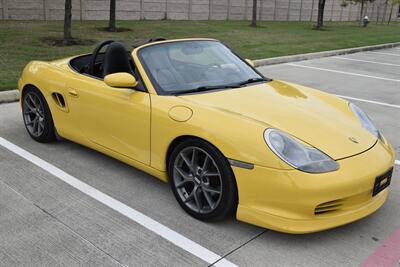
180, 113
285, 200
138, 127
121, 79
250, 62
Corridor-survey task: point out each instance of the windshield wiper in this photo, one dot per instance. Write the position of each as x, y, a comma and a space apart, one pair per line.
209, 87
204, 88
252, 80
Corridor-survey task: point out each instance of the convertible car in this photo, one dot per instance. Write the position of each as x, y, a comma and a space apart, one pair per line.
228, 140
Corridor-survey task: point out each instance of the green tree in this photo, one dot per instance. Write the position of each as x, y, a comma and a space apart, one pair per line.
394, 2
320, 18
67, 21
112, 21
384, 11
254, 16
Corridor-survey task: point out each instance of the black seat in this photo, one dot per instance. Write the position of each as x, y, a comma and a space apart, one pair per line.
116, 59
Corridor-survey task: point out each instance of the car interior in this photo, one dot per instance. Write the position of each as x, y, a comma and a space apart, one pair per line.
174, 67
114, 59
99, 64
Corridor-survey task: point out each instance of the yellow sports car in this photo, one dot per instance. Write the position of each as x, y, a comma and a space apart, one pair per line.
227, 139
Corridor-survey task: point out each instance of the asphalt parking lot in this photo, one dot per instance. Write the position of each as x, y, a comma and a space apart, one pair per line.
46, 221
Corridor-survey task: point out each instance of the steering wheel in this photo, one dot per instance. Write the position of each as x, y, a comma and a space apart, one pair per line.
96, 51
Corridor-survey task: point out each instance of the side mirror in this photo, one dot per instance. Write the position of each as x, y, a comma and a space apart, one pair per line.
121, 80
250, 62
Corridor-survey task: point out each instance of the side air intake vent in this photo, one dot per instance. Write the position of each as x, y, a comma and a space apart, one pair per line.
60, 101
327, 207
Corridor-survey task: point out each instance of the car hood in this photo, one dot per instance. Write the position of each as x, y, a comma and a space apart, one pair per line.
317, 118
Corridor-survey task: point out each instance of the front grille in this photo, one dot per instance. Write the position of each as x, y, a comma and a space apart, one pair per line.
330, 206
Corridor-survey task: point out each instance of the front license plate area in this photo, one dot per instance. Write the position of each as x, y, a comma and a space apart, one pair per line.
382, 181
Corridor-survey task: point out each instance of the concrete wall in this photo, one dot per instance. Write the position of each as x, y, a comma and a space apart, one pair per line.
282, 10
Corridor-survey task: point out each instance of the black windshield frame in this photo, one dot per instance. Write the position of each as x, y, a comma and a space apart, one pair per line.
160, 90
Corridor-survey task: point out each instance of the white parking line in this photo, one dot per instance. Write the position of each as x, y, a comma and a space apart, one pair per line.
343, 72
387, 54
368, 61
369, 101
147, 222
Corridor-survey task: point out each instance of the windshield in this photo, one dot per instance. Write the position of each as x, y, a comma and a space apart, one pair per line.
190, 66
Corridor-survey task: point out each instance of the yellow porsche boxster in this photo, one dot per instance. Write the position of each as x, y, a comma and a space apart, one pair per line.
227, 139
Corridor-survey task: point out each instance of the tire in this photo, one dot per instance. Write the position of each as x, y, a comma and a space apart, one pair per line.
37, 116
205, 177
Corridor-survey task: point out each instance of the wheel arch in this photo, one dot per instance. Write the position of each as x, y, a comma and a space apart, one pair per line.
183, 138
31, 85
175, 142
23, 91
26, 86
48, 134
179, 139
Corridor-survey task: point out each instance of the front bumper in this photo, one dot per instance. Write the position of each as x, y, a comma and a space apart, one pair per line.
297, 202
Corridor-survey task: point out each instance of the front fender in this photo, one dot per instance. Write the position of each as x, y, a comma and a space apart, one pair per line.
237, 137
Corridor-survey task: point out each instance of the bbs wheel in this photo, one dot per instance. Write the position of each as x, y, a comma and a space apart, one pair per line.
202, 180
37, 117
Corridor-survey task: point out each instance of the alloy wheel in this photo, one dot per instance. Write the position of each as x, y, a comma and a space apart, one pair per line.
197, 180
33, 112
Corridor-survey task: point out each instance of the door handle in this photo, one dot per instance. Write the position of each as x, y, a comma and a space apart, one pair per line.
73, 93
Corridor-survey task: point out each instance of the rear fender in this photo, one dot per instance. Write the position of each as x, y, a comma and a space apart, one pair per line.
51, 81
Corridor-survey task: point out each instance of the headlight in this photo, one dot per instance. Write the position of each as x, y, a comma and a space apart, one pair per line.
297, 155
365, 120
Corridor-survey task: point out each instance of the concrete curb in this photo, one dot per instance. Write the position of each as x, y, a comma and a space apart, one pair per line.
287, 59
9, 96
13, 95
